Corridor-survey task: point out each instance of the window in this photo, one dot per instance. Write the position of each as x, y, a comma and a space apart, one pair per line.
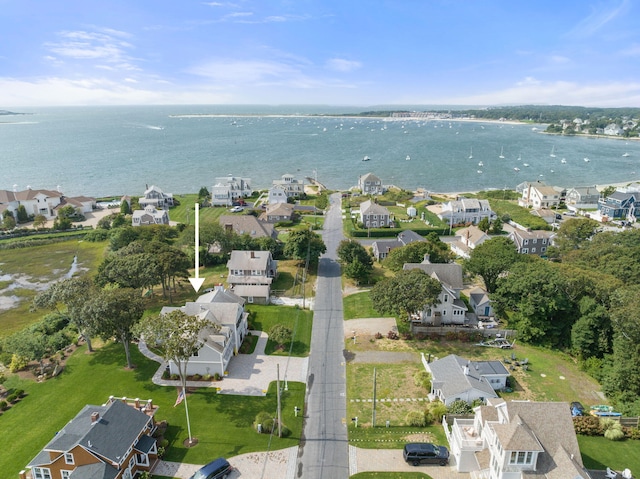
445, 298
68, 458
525, 250
250, 299
521, 457
41, 473
65, 474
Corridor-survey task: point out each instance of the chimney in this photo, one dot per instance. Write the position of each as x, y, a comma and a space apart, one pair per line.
426, 259
228, 228
95, 417
253, 254
466, 370
22, 474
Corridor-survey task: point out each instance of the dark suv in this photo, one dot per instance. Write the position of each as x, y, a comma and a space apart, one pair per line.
217, 469
417, 453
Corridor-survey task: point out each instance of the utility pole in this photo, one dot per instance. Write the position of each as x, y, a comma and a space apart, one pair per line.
278, 389
373, 415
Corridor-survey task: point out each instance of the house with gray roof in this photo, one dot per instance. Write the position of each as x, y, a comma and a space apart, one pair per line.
538, 195
481, 304
292, 187
467, 239
619, 205
251, 274
149, 216
582, 197
228, 189
449, 309
157, 198
531, 242
370, 184
111, 441
278, 212
248, 225
382, 248
466, 210
454, 378
373, 215
220, 340
517, 440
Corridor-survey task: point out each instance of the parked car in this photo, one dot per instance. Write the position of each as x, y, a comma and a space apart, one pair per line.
577, 409
217, 469
236, 209
417, 453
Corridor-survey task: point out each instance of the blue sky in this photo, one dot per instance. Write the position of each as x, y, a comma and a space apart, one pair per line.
331, 52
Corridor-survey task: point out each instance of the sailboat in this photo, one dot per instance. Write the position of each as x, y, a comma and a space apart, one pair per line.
501, 153
625, 154
471, 154
408, 158
553, 152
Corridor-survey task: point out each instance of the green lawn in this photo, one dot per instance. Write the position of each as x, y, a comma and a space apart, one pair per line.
600, 453
390, 475
298, 320
222, 423
41, 264
359, 306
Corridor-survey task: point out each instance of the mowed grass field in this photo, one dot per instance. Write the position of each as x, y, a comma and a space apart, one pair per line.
38, 266
223, 424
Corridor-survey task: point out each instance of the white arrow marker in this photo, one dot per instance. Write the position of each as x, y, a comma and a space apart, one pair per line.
197, 281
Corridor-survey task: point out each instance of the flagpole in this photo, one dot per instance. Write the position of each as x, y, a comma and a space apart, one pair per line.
186, 410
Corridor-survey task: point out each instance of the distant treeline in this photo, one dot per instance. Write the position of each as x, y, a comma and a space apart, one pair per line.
533, 113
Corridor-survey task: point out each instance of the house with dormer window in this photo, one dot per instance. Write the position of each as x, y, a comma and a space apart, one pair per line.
221, 338
373, 215
619, 205
517, 440
251, 274
466, 210
228, 189
111, 441
155, 197
531, 242
370, 184
449, 309
149, 216
538, 195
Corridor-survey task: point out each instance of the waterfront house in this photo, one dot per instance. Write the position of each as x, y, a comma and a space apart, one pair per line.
613, 130
466, 210
251, 274
538, 195
155, 197
372, 215
370, 184
382, 248
531, 242
221, 339
277, 194
39, 202
114, 441
150, 216
582, 197
293, 188
619, 205
454, 378
449, 309
278, 212
516, 440
229, 189
82, 204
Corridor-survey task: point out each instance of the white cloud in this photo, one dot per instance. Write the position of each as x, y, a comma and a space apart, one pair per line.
600, 16
108, 46
342, 65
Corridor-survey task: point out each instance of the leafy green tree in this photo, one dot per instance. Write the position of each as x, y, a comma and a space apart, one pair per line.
23, 216
176, 336
125, 208
104, 223
121, 237
136, 271
203, 193
484, 225
535, 293
415, 252
304, 243
459, 407
573, 233
496, 226
72, 293
114, 313
281, 335
356, 261
39, 221
118, 220
591, 334
491, 259
608, 191
8, 221
408, 292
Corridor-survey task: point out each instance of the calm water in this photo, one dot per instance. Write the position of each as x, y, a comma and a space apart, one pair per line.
115, 150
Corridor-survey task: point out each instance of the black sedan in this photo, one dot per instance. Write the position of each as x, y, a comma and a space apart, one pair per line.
417, 453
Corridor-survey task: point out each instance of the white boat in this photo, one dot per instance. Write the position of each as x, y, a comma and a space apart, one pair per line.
480, 163
501, 153
366, 158
586, 160
519, 157
479, 171
408, 158
625, 154
516, 169
525, 164
553, 152
471, 154
563, 161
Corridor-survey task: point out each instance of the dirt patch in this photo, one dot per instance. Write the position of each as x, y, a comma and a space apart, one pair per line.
420, 437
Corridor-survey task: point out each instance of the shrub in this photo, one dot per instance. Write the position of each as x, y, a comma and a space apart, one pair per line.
174, 377
612, 429
161, 451
378, 335
407, 336
422, 379
459, 407
392, 335
632, 432
11, 398
17, 363
587, 425
217, 377
4, 406
265, 421
163, 443
437, 409
415, 419
196, 377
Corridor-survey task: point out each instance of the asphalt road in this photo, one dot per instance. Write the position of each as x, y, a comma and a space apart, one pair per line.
324, 451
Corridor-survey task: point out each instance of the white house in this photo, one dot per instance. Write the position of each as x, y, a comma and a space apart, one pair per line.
293, 188
39, 202
466, 210
228, 189
539, 195
467, 239
154, 196
454, 378
149, 216
219, 342
251, 274
277, 194
480, 303
370, 184
449, 309
517, 440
